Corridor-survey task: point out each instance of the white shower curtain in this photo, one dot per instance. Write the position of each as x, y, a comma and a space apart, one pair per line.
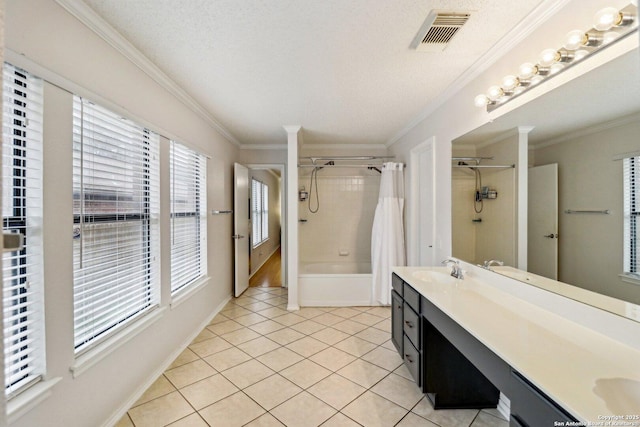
387, 237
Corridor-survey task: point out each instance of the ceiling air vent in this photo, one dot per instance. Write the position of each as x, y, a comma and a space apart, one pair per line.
438, 30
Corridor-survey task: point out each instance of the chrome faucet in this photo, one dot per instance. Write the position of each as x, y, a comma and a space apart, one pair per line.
456, 271
489, 263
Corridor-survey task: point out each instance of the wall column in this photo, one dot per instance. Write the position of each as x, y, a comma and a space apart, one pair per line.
522, 171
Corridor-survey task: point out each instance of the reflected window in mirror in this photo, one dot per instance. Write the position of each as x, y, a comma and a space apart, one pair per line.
631, 168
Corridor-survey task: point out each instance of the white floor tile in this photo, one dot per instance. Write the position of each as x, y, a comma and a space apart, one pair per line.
372, 410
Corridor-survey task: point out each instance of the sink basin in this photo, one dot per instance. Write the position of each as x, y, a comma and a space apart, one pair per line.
431, 276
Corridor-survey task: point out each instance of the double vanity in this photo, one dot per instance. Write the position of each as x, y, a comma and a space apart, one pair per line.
467, 340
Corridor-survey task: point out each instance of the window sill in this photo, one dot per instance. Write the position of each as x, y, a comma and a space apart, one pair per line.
29, 399
630, 278
184, 294
86, 360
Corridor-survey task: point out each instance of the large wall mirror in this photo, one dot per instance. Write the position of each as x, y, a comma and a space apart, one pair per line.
581, 130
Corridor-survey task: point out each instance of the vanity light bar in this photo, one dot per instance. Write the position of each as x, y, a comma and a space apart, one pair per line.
610, 25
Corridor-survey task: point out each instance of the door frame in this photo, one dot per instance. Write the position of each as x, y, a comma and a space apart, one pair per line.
283, 212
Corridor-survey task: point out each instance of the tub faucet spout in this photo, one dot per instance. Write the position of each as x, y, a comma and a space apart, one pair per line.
456, 271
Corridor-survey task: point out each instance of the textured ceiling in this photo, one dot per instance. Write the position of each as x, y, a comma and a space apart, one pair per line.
343, 69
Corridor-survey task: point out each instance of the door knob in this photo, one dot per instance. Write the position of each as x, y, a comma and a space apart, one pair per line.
237, 236
551, 236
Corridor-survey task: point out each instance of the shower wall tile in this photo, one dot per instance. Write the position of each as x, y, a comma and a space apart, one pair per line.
343, 222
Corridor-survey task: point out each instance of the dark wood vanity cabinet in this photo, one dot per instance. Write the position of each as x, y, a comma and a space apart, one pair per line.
455, 369
405, 326
530, 407
396, 321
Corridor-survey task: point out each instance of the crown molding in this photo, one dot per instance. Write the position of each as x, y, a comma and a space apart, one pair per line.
524, 29
345, 146
100, 27
263, 146
292, 128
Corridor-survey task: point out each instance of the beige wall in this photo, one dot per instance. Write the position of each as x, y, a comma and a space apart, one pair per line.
47, 41
262, 252
590, 247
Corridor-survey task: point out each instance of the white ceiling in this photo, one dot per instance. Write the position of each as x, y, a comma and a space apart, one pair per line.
343, 69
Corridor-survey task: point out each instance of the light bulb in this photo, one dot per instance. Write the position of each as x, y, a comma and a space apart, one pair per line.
606, 18
527, 70
548, 57
519, 90
510, 82
574, 39
494, 93
481, 100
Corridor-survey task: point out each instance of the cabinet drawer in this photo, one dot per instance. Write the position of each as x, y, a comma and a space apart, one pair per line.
412, 360
396, 283
411, 325
531, 407
412, 297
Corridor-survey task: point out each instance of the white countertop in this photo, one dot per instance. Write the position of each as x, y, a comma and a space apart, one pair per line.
588, 373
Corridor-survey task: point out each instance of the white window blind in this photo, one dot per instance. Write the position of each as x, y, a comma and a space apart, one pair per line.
115, 209
188, 216
23, 291
631, 174
259, 212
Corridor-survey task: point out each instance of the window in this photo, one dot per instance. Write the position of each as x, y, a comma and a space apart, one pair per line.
259, 212
631, 173
115, 214
23, 292
188, 216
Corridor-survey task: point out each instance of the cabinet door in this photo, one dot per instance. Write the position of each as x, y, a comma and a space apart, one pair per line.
531, 407
396, 321
413, 361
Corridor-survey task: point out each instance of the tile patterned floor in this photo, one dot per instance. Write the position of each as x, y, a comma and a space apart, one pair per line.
256, 364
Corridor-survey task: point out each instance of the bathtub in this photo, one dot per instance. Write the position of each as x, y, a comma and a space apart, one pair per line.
335, 285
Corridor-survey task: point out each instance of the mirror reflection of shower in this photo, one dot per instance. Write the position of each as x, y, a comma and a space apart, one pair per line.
480, 193
482, 218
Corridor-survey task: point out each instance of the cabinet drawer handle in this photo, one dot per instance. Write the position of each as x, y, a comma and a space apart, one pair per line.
408, 357
409, 324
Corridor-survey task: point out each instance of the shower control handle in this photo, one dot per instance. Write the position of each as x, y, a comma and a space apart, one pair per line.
551, 236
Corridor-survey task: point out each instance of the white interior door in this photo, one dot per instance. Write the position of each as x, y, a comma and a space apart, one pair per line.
542, 247
241, 228
421, 237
